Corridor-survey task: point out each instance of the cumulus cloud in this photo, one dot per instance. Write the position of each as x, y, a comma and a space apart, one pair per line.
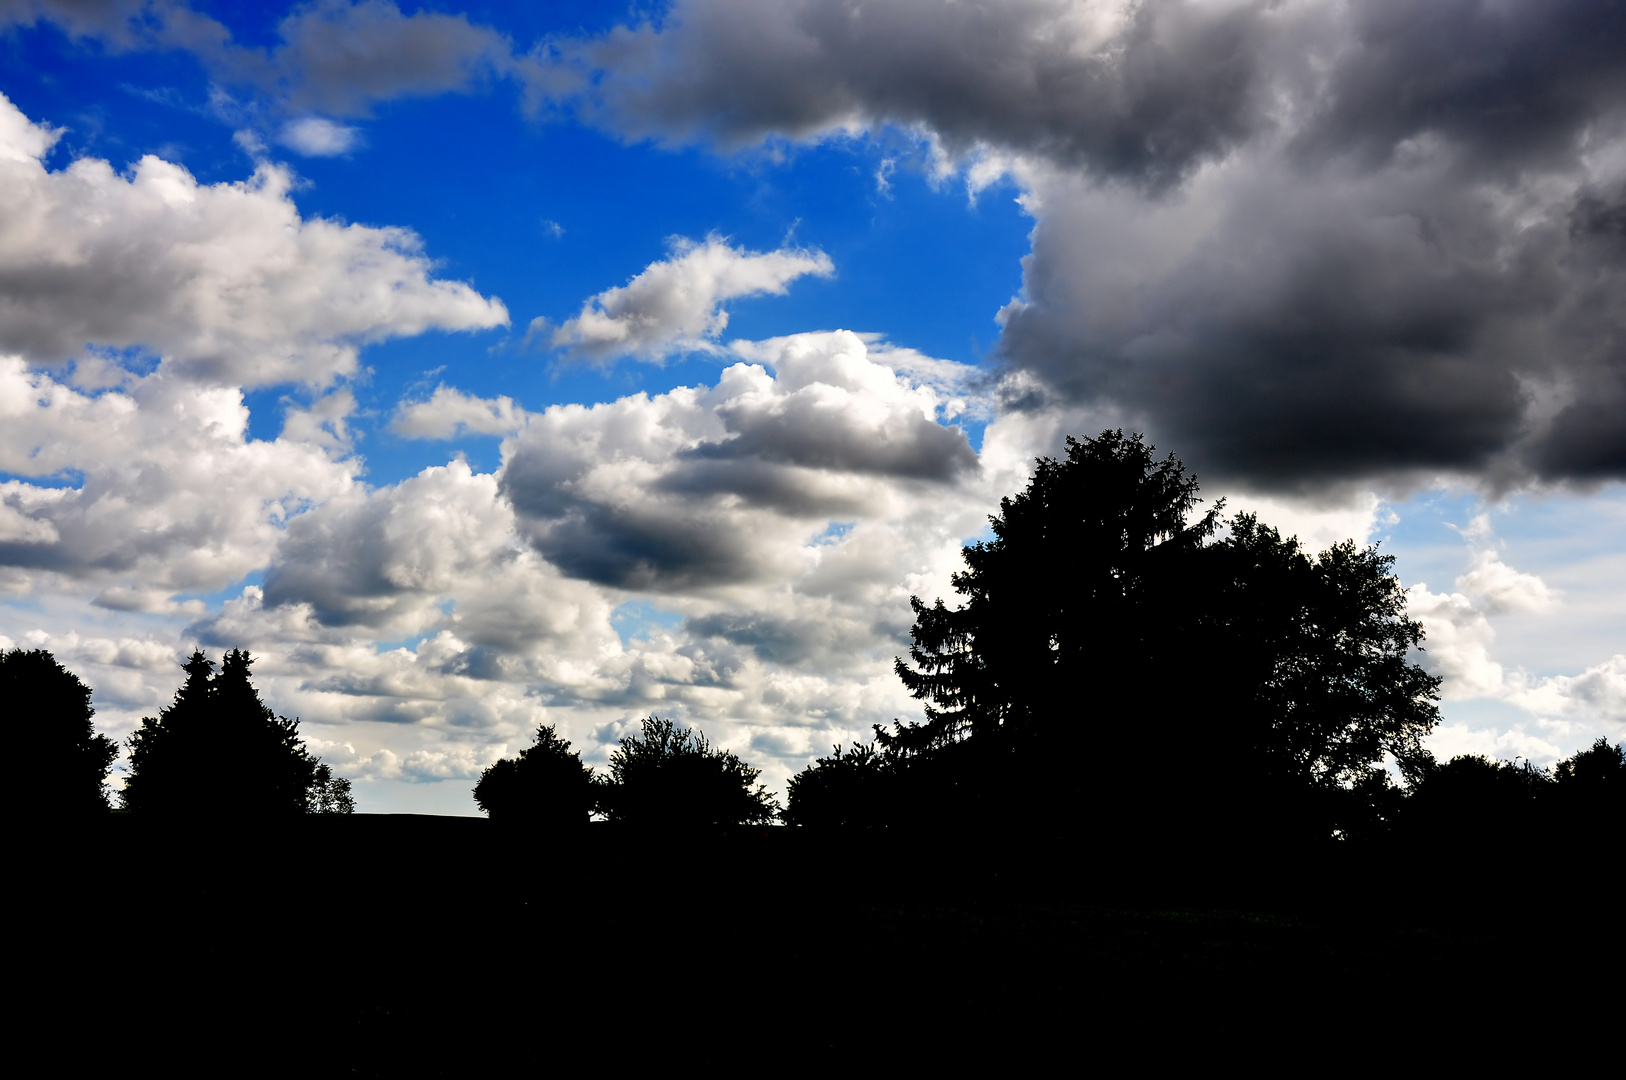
1458, 644
675, 305
449, 413
1501, 589
171, 494
701, 487
225, 282
1598, 692
782, 568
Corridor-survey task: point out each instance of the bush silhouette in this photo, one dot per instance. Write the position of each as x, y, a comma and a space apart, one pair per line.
219, 746
65, 763
669, 775
546, 784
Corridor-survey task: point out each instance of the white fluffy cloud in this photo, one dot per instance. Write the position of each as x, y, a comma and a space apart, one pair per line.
171, 493
225, 282
737, 556
675, 305
703, 487
449, 412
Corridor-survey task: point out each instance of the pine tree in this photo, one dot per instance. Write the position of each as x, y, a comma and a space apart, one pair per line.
219, 745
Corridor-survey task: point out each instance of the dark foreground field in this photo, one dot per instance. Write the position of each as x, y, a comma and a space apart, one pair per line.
395, 945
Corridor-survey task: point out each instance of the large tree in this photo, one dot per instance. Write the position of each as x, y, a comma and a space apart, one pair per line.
59, 761
545, 784
1113, 658
218, 746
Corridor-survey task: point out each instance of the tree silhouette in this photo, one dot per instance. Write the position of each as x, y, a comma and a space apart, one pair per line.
856, 788
546, 784
1157, 678
63, 762
329, 794
670, 775
1589, 791
219, 745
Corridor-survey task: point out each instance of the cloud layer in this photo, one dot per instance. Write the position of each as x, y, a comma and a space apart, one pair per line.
1305, 242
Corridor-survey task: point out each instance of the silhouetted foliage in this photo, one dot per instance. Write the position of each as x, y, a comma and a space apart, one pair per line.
670, 775
1475, 804
1113, 663
1589, 792
61, 763
219, 746
546, 784
329, 794
856, 788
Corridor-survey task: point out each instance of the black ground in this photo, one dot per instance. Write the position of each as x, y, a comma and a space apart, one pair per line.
380, 945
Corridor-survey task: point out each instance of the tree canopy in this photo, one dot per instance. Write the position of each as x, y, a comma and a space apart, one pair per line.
218, 745
1115, 658
64, 762
670, 775
545, 784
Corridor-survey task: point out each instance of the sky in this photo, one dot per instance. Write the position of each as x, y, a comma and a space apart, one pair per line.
481, 367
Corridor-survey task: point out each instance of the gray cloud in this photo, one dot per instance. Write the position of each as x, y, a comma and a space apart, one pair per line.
702, 488
1302, 243
1144, 91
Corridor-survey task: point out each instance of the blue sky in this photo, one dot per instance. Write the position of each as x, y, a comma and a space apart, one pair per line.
322, 344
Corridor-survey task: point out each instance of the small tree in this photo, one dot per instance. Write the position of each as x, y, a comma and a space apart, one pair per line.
546, 784
329, 794
219, 745
64, 762
671, 775
855, 788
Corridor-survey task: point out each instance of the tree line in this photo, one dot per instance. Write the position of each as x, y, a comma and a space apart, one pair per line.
216, 746
1119, 667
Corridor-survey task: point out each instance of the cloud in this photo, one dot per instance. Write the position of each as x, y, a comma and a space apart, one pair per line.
675, 305
700, 487
1599, 691
225, 282
1501, 589
1308, 244
170, 493
1457, 644
1144, 92
315, 136
449, 413
332, 56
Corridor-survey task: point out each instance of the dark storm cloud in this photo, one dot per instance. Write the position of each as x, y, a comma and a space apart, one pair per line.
1512, 81
1298, 242
1146, 95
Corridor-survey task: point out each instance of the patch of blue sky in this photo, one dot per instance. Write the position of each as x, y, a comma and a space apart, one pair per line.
1425, 534
835, 533
637, 619
62, 478
410, 643
214, 599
